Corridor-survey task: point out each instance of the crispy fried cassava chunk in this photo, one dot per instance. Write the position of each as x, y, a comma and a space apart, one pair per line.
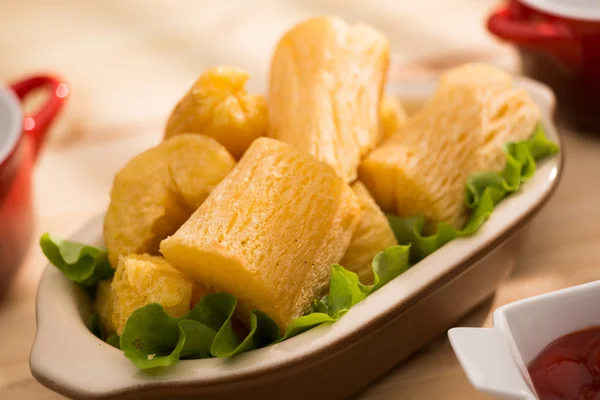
269, 232
512, 114
459, 131
392, 116
144, 279
325, 85
218, 106
372, 235
196, 165
158, 190
103, 305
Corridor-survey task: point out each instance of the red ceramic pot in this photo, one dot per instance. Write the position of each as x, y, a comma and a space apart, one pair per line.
21, 138
559, 44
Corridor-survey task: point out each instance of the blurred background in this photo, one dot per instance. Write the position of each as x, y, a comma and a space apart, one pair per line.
128, 62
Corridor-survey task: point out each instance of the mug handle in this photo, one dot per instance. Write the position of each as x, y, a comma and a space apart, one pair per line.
485, 358
508, 26
36, 125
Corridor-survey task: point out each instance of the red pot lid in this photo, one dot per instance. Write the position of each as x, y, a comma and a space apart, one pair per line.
586, 10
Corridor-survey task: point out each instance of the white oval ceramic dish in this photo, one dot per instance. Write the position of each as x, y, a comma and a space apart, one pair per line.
326, 362
495, 359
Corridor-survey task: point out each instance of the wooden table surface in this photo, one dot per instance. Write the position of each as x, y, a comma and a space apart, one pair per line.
127, 63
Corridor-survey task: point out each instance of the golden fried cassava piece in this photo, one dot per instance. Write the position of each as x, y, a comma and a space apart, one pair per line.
392, 116
372, 235
144, 279
158, 190
218, 106
196, 165
269, 232
325, 84
143, 207
459, 131
512, 114
103, 305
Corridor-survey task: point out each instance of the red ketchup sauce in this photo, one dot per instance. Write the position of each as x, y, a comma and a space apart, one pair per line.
569, 368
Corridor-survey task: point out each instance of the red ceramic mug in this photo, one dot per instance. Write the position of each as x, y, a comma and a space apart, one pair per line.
559, 44
21, 138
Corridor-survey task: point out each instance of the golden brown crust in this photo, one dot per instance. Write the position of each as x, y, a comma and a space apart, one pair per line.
269, 233
325, 85
461, 130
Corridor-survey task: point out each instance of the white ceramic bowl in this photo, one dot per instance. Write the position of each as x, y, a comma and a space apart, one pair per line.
330, 361
495, 359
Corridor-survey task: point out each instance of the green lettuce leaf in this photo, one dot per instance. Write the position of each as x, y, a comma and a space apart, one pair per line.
345, 289
483, 191
80, 263
151, 338
114, 340
263, 332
